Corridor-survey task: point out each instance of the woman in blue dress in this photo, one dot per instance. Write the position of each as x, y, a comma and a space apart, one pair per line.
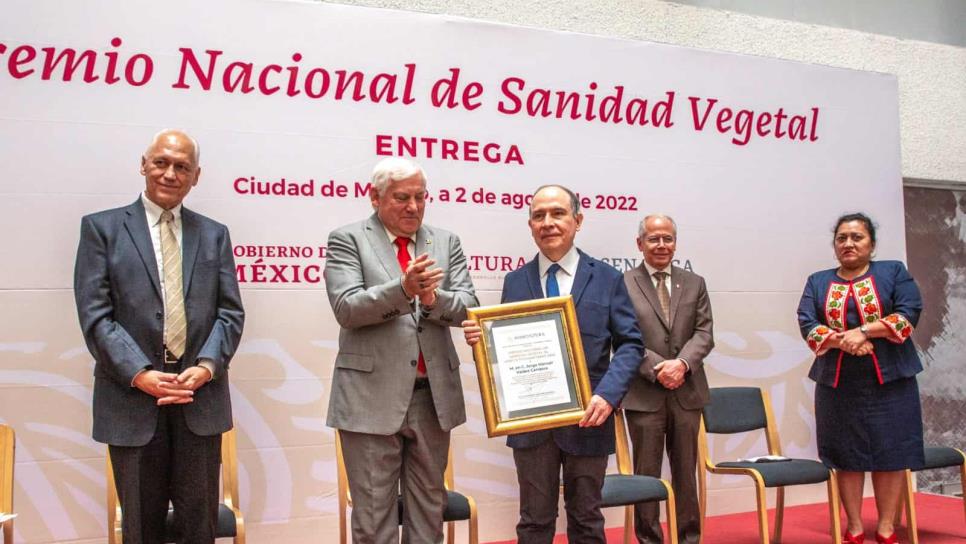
857, 319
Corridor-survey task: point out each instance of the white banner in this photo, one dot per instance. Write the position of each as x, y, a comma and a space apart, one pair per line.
293, 103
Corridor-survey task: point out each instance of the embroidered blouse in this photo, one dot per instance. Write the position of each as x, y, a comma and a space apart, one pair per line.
831, 304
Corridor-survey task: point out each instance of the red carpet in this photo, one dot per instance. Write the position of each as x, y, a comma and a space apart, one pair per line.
941, 521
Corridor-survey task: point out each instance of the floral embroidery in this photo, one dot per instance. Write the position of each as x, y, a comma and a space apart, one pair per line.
835, 305
817, 338
867, 298
899, 326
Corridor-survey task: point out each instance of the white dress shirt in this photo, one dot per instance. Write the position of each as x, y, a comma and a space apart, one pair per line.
565, 276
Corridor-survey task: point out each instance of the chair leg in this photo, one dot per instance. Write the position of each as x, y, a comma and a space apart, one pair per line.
451, 532
834, 506
762, 499
474, 530
629, 524
962, 485
911, 524
672, 520
702, 500
779, 513
343, 537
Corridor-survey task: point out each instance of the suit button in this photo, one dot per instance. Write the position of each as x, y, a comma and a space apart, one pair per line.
157, 354
413, 362
667, 339
419, 329
159, 316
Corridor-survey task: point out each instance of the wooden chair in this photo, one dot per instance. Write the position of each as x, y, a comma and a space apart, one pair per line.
7, 449
741, 409
936, 457
230, 524
459, 507
627, 489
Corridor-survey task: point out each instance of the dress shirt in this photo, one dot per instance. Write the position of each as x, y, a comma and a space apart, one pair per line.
565, 276
153, 214
667, 279
667, 283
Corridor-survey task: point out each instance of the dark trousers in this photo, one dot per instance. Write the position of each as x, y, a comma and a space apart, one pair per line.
176, 465
678, 429
538, 473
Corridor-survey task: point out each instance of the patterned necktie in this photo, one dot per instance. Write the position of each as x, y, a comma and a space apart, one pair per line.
403, 256
663, 296
175, 322
553, 289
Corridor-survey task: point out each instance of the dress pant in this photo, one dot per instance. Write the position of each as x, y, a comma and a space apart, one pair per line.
176, 465
408, 464
538, 473
649, 431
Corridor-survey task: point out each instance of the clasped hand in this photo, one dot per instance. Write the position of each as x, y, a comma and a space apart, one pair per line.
419, 280
670, 373
170, 388
852, 342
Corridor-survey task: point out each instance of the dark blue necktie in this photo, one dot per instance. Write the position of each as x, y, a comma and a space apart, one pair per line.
553, 290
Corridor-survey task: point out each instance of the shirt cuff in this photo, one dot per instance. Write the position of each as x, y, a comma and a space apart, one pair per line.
210, 365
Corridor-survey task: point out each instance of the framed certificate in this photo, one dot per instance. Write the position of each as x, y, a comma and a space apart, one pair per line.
530, 364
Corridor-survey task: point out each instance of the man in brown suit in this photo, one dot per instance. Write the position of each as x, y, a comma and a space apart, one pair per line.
664, 402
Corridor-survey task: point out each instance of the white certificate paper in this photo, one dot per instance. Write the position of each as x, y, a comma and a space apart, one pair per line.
530, 366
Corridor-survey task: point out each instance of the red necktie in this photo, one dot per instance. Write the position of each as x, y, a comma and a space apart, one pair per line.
403, 256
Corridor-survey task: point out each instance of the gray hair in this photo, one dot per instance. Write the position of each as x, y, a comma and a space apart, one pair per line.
641, 230
164, 132
574, 202
393, 169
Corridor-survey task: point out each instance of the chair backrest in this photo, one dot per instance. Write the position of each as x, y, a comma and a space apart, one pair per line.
736, 410
7, 450
229, 486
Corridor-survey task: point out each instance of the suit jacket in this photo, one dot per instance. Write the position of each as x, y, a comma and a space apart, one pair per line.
688, 336
606, 321
121, 310
383, 331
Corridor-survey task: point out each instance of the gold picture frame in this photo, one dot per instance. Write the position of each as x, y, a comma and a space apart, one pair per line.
530, 365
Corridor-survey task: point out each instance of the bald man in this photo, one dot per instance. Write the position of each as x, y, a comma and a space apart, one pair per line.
160, 310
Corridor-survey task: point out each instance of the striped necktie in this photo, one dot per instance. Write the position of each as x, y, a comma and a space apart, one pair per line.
175, 322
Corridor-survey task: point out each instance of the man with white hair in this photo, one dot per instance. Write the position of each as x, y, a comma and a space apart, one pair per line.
160, 310
396, 286
663, 405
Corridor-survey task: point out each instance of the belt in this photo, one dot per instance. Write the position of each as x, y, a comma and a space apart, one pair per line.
421, 383
169, 357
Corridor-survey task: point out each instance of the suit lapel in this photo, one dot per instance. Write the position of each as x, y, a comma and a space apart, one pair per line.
381, 246
584, 272
190, 238
533, 278
677, 284
646, 285
136, 225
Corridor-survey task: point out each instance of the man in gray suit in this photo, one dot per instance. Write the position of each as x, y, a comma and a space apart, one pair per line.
396, 287
664, 402
161, 313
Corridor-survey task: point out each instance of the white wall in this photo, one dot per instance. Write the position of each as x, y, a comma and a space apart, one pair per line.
932, 77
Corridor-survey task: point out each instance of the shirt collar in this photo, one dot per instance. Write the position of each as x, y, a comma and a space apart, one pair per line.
568, 262
154, 211
651, 270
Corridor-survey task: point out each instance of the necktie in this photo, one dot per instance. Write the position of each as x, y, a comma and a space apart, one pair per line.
404, 257
553, 289
663, 296
175, 322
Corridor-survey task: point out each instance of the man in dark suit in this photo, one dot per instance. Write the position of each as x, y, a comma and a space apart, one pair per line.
396, 286
665, 400
606, 321
161, 313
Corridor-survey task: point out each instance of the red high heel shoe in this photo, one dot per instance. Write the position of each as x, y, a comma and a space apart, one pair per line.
893, 538
853, 539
